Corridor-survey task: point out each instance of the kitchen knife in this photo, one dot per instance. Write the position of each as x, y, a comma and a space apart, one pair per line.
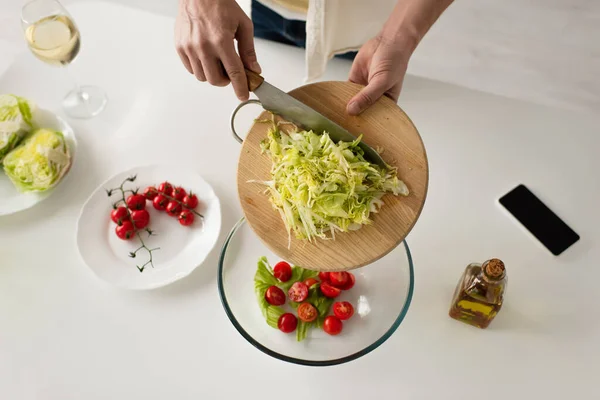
284, 105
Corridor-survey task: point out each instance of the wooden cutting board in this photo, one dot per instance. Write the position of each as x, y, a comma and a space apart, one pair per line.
383, 126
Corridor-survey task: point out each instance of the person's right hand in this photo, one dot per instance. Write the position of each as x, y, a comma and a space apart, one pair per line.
204, 35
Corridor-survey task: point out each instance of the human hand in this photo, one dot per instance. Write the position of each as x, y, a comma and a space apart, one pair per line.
380, 65
204, 36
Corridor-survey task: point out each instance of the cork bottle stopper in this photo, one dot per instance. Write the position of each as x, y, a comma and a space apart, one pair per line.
494, 268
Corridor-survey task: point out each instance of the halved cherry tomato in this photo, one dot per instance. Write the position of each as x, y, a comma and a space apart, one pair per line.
350, 284
330, 291
332, 325
338, 279
298, 292
343, 310
173, 208
119, 214
179, 193
165, 188
307, 312
282, 271
186, 218
136, 202
190, 201
150, 193
275, 296
125, 231
287, 323
324, 276
310, 282
140, 218
160, 202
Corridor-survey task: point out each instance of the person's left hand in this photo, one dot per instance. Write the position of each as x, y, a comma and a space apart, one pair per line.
380, 65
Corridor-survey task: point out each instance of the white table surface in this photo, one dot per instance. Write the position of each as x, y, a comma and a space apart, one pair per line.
66, 335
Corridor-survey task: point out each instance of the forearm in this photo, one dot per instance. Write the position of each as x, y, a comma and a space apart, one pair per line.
410, 20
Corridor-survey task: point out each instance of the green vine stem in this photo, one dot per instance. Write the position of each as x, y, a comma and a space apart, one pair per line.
133, 254
181, 204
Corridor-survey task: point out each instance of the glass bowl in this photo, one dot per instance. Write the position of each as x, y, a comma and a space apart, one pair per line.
381, 297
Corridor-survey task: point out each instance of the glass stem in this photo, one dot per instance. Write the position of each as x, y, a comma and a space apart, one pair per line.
80, 95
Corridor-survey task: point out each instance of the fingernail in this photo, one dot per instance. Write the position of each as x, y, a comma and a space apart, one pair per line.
353, 108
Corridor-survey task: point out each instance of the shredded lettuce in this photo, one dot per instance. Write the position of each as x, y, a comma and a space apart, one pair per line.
39, 162
320, 187
15, 122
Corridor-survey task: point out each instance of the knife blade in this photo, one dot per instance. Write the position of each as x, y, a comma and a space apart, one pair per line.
286, 106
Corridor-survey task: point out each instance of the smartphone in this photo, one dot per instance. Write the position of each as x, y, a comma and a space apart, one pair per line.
544, 224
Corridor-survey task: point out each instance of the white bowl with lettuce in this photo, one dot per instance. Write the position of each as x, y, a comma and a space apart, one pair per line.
37, 149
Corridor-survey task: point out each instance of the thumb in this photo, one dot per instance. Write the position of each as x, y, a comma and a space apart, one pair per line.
245, 39
367, 96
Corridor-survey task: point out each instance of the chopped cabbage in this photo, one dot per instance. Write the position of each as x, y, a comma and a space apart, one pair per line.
15, 122
39, 162
320, 187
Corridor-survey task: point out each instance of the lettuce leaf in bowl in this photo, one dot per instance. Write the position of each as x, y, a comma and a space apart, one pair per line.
15, 122
39, 162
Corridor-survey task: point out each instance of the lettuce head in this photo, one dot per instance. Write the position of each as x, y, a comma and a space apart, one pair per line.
15, 122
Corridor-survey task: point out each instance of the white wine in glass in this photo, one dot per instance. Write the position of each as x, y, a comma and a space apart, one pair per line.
53, 37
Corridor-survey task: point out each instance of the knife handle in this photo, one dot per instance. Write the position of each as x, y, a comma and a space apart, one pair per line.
254, 80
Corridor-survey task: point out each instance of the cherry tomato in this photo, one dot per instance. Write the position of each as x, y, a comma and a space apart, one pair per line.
298, 292
310, 282
338, 279
343, 310
173, 208
140, 219
186, 218
324, 276
150, 193
160, 202
307, 312
190, 201
350, 284
282, 271
165, 188
179, 193
125, 231
275, 296
330, 291
332, 325
287, 323
136, 202
119, 214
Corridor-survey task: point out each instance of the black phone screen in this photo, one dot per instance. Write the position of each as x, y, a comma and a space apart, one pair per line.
544, 224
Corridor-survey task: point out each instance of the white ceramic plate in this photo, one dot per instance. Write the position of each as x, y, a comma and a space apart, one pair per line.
12, 200
182, 248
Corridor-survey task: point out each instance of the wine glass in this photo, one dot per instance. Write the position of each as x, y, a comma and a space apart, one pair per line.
53, 37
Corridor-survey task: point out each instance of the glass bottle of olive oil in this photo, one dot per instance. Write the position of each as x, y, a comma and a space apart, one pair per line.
480, 293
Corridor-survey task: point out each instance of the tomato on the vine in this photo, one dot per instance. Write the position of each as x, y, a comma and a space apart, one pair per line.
338, 279
324, 276
119, 214
136, 202
307, 312
287, 323
298, 292
330, 291
282, 271
275, 296
160, 202
173, 208
186, 218
179, 193
140, 218
350, 284
332, 325
165, 188
343, 310
310, 282
190, 201
125, 231
150, 193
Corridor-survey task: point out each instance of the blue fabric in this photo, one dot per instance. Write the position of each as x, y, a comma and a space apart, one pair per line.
271, 26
